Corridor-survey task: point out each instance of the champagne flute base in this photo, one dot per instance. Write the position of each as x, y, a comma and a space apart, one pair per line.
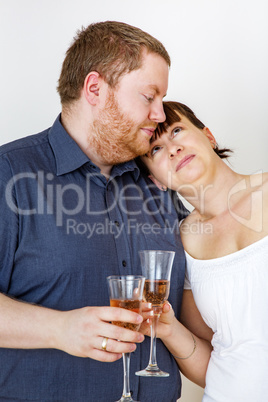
126, 399
152, 371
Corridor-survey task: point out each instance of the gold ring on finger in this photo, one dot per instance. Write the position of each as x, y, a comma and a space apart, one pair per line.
104, 343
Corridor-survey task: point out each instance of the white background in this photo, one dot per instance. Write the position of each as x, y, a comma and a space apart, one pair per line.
219, 52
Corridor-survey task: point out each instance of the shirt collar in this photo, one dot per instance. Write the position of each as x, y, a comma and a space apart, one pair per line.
130, 166
67, 153
69, 156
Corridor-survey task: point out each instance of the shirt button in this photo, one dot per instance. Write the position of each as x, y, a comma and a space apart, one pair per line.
124, 263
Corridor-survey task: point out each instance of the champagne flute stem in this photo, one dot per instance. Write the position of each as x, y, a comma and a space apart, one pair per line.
152, 361
126, 364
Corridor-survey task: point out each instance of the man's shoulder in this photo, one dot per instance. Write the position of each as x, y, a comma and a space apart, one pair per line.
24, 143
24, 154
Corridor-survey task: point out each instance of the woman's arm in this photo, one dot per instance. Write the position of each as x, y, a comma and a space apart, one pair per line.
191, 318
191, 344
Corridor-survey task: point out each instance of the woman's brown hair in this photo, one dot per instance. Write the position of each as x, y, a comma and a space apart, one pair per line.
173, 111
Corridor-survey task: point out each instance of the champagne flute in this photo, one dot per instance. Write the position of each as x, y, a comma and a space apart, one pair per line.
126, 292
156, 267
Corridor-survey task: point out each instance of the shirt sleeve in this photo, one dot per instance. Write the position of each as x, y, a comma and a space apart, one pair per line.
8, 225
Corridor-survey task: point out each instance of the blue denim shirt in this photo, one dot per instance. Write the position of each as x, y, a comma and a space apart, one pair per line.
65, 228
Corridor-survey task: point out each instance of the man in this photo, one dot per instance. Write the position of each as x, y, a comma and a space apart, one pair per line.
75, 210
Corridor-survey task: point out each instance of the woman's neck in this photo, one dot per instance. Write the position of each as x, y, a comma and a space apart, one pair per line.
218, 190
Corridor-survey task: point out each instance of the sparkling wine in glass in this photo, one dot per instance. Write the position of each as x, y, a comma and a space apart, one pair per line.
156, 266
126, 292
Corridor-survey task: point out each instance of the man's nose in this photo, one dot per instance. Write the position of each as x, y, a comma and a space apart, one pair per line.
157, 113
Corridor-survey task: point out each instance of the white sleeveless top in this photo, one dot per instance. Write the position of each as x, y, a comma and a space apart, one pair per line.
231, 293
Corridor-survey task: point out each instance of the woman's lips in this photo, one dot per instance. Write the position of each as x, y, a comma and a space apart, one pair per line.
187, 159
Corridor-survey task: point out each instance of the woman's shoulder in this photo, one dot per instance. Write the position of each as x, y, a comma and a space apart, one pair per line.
194, 230
265, 201
193, 217
265, 180
259, 180
253, 208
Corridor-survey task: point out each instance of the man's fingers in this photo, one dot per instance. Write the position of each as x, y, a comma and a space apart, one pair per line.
119, 314
120, 333
113, 346
104, 356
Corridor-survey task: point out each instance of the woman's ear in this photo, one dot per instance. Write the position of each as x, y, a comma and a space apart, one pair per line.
157, 183
210, 136
91, 87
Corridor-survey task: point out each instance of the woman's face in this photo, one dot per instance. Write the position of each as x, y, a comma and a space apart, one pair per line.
181, 156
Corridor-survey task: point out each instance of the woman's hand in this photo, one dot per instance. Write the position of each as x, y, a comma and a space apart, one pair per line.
165, 323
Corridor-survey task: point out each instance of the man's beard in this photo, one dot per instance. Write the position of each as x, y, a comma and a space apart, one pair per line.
115, 137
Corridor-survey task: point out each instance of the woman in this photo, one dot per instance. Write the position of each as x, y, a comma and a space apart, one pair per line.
223, 344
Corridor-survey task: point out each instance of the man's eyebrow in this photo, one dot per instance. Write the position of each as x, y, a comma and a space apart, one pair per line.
155, 88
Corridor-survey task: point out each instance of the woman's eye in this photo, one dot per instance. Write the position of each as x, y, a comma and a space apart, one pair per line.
176, 131
154, 150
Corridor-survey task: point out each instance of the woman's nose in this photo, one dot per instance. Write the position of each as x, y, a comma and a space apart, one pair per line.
174, 150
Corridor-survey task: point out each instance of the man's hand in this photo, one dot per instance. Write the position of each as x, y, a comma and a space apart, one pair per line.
81, 332
78, 332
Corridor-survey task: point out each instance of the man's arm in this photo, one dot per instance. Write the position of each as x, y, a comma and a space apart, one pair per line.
24, 325
78, 332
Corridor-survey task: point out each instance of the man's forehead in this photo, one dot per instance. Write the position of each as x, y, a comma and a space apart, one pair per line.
155, 67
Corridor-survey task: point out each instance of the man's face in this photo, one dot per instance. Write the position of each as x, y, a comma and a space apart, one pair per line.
132, 110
